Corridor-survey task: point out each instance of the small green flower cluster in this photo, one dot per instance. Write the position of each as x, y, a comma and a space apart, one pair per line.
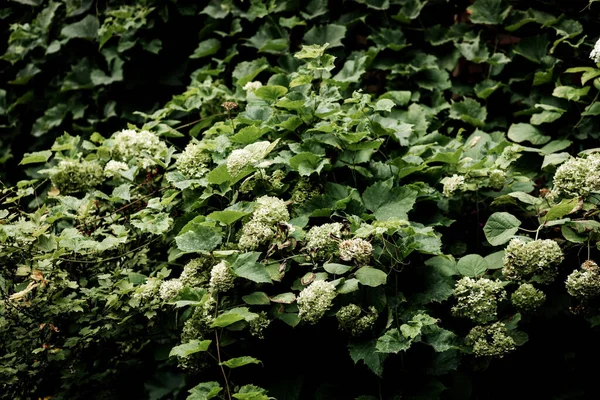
322, 241
452, 184
251, 154
196, 328
527, 297
358, 250
584, 284
350, 319
221, 278
497, 179
314, 300
196, 272
262, 226
578, 176
303, 191
194, 162
141, 146
478, 299
72, 176
114, 168
490, 341
259, 324
170, 288
538, 257
147, 290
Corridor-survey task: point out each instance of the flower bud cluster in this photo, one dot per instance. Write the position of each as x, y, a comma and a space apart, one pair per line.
303, 191
141, 146
194, 162
147, 290
196, 272
170, 288
76, 175
221, 278
527, 297
251, 154
584, 284
491, 340
322, 241
262, 226
114, 168
357, 250
350, 319
252, 86
578, 176
315, 300
259, 324
538, 257
452, 184
478, 299
497, 179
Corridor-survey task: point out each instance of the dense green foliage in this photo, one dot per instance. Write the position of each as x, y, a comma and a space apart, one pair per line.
277, 199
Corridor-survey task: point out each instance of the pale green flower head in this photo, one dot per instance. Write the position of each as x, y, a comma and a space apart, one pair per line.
170, 288
539, 258
357, 250
315, 300
114, 168
270, 210
497, 179
194, 162
477, 299
254, 234
221, 278
196, 272
249, 155
595, 53
452, 184
71, 176
584, 284
578, 176
141, 146
490, 341
527, 297
321, 240
350, 319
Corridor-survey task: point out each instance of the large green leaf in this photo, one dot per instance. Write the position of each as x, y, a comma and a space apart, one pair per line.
198, 238
490, 12
246, 266
500, 228
191, 347
240, 361
387, 202
472, 265
369, 276
87, 28
527, 133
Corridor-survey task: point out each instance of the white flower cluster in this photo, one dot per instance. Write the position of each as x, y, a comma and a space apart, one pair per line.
262, 227
584, 284
72, 176
170, 288
538, 257
194, 162
315, 300
148, 289
113, 168
221, 278
478, 299
251, 154
252, 86
491, 340
578, 176
142, 146
452, 184
358, 250
322, 241
527, 297
350, 319
595, 54
259, 324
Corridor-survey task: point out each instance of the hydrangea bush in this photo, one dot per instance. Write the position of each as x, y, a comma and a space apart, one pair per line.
408, 218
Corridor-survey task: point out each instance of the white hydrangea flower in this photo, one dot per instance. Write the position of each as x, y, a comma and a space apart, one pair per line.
252, 86
321, 240
595, 54
255, 233
193, 162
478, 299
113, 168
142, 146
148, 289
315, 300
538, 257
358, 250
169, 289
251, 154
270, 210
221, 278
578, 176
452, 184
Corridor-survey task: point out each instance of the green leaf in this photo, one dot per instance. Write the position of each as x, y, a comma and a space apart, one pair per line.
245, 266
563, 208
369, 276
570, 93
122, 192
471, 265
248, 134
206, 48
500, 228
525, 132
470, 111
393, 342
87, 28
365, 352
246, 71
240, 362
200, 238
308, 163
205, 391
257, 299
348, 286
311, 51
336, 269
227, 217
226, 319
219, 175
389, 203
331, 34
352, 70
284, 298
533, 48
489, 12
571, 235
193, 346
384, 105
36, 157
270, 93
